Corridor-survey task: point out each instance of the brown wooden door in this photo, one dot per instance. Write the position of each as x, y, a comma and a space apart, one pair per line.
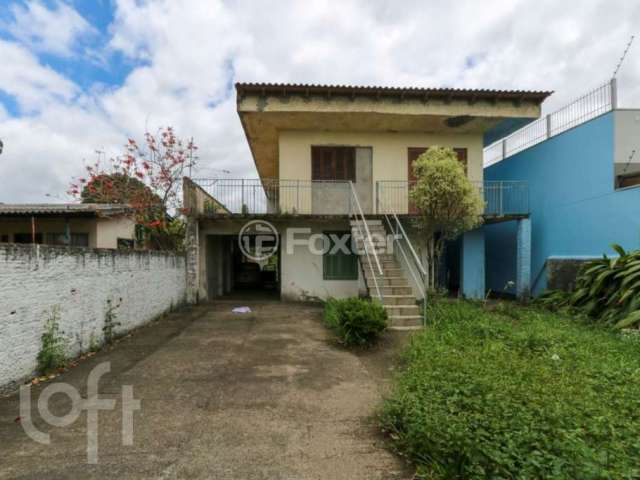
412, 155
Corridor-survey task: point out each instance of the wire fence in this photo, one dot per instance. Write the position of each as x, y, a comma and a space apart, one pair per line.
591, 105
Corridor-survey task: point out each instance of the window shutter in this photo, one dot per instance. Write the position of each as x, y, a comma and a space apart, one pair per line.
339, 265
333, 163
316, 164
462, 157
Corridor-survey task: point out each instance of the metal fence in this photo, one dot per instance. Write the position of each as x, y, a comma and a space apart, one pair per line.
273, 196
500, 198
592, 104
311, 197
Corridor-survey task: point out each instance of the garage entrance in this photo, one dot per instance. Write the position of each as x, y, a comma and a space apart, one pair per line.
231, 273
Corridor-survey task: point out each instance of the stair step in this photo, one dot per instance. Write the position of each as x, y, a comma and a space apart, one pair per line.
387, 282
372, 221
402, 310
386, 272
405, 322
398, 300
396, 290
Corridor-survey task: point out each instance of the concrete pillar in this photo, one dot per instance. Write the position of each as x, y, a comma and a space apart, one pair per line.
523, 259
472, 264
192, 253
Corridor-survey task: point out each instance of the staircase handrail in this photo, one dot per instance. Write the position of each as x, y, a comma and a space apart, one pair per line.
366, 241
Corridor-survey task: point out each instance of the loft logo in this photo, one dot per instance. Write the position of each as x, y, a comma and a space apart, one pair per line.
92, 404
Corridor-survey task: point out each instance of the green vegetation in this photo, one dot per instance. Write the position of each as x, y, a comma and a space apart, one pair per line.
356, 322
52, 354
448, 204
532, 395
110, 322
607, 290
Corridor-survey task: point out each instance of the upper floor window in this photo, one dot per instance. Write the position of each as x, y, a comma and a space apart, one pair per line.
333, 163
415, 152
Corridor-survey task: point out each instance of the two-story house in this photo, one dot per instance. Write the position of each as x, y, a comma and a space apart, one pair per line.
334, 162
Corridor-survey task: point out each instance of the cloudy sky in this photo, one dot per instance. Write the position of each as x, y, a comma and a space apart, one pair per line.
78, 76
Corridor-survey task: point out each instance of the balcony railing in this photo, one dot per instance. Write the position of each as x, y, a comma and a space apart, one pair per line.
311, 197
501, 198
273, 196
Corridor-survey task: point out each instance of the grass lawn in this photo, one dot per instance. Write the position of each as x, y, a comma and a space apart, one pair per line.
511, 392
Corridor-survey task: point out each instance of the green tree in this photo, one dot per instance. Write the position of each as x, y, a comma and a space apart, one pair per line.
147, 177
448, 204
115, 188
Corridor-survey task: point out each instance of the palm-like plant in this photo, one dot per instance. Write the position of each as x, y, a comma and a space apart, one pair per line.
607, 289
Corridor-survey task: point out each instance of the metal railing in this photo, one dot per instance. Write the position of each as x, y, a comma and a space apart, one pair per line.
408, 257
274, 196
367, 241
594, 103
500, 198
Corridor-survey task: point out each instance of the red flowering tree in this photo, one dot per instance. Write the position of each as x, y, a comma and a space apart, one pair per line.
147, 177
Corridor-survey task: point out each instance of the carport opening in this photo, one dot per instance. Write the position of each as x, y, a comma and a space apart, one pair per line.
234, 273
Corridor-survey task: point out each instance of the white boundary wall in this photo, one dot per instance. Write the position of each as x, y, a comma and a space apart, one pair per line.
79, 282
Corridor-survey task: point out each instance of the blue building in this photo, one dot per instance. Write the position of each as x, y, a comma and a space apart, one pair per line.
584, 191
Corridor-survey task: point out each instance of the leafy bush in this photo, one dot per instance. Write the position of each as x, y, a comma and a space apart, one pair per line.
607, 290
355, 321
52, 353
487, 396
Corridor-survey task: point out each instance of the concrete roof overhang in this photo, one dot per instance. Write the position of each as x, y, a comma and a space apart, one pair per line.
266, 109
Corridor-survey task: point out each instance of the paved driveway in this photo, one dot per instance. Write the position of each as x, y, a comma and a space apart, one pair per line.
264, 395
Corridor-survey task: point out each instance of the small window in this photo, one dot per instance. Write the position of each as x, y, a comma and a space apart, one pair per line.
75, 240
628, 180
336, 263
27, 238
333, 163
80, 239
125, 243
55, 239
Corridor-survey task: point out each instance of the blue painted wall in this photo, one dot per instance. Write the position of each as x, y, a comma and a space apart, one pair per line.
473, 264
575, 210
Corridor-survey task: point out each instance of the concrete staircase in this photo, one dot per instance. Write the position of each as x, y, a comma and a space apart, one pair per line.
397, 295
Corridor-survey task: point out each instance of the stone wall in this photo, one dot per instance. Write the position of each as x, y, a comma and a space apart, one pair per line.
562, 273
78, 282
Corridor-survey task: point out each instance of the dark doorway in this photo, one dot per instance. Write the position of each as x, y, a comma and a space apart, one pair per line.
452, 266
233, 274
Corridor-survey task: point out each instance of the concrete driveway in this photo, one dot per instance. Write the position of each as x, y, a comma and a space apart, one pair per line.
265, 395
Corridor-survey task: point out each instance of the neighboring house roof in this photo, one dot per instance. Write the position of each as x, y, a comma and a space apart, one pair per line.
64, 209
398, 92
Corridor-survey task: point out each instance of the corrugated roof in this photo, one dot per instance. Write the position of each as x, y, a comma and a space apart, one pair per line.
354, 90
97, 209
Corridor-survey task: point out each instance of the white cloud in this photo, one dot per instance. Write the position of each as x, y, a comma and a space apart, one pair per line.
190, 51
54, 30
35, 86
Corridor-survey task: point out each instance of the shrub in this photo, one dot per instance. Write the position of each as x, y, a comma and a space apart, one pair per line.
487, 396
110, 322
355, 321
52, 354
607, 290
